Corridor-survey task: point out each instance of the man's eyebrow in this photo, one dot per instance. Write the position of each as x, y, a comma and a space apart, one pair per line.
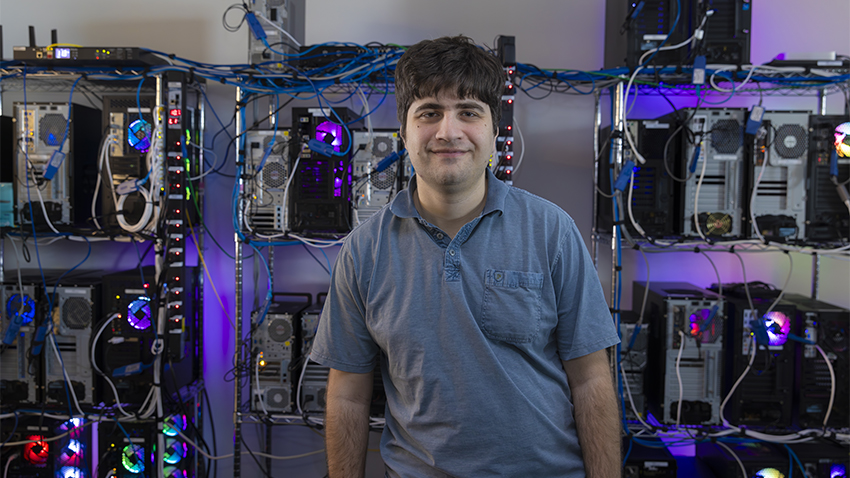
469, 105
428, 106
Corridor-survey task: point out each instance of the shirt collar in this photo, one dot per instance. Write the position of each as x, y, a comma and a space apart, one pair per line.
402, 205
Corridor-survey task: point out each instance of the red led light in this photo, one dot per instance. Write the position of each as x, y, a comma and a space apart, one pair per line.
510, 87
510, 102
173, 120
510, 72
178, 158
510, 128
178, 143
176, 277
146, 286
508, 171
174, 112
509, 157
510, 143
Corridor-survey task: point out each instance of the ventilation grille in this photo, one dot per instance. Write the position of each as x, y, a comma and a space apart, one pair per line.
727, 136
791, 141
51, 129
76, 313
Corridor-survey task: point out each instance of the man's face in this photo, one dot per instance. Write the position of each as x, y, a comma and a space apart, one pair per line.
449, 140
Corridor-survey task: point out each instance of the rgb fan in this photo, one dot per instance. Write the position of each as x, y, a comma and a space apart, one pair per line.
139, 135
174, 472
71, 425
133, 458
71, 455
22, 305
838, 471
330, 133
70, 472
173, 424
174, 451
769, 473
778, 327
36, 451
139, 313
842, 140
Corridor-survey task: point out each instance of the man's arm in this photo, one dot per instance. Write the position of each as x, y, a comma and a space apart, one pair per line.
347, 423
597, 414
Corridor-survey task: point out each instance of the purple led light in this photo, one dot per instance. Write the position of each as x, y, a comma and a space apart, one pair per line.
838, 471
139, 313
778, 326
334, 130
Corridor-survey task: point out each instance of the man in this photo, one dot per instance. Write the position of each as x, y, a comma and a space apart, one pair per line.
479, 299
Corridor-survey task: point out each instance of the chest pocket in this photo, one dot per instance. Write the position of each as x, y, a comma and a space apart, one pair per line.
511, 311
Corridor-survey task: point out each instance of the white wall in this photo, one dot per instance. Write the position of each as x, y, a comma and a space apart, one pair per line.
557, 130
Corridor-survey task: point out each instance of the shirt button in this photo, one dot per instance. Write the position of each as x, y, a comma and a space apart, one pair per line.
439, 235
451, 252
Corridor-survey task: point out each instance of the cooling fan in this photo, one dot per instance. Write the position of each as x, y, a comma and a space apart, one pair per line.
715, 223
37, 450
382, 179
76, 313
133, 458
330, 133
22, 305
769, 473
174, 472
71, 455
778, 326
175, 451
791, 141
842, 140
139, 135
51, 129
173, 424
71, 472
705, 325
727, 136
280, 330
139, 313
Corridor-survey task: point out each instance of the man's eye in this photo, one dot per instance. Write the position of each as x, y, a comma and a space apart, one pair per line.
470, 114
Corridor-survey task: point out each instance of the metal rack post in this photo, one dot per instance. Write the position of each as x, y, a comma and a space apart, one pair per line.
821, 110
617, 126
594, 231
237, 392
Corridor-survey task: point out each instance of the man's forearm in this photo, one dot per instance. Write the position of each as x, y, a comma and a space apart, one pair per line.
598, 425
346, 438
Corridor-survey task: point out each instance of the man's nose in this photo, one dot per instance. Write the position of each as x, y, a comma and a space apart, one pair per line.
449, 128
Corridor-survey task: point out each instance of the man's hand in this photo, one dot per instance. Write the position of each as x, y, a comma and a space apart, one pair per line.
347, 423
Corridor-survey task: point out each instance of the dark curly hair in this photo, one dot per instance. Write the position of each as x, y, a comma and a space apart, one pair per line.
449, 63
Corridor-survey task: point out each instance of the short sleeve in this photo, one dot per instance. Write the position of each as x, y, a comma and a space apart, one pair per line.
584, 320
343, 341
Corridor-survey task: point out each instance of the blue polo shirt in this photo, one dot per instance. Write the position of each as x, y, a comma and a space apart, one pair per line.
470, 332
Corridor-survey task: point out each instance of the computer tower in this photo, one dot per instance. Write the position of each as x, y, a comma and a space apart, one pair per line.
20, 373
765, 396
275, 345
823, 458
633, 361
267, 165
655, 194
127, 451
686, 318
42, 129
829, 327
123, 348
320, 200
757, 459
286, 15
78, 309
827, 218
130, 122
35, 456
648, 462
718, 200
372, 189
779, 156
633, 28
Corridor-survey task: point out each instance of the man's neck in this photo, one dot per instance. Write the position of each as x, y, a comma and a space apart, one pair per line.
450, 210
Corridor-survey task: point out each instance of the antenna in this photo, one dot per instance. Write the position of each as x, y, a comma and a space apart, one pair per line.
32, 36
53, 37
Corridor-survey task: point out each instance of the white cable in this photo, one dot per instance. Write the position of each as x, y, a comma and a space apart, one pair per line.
832, 384
61, 363
716, 272
277, 27
298, 389
259, 390
94, 364
317, 243
629, 205
631, 399
740, 464
679, 378
256, 453
521, 145
735, 386
19, 266
9, 464
753, 201
696, 199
